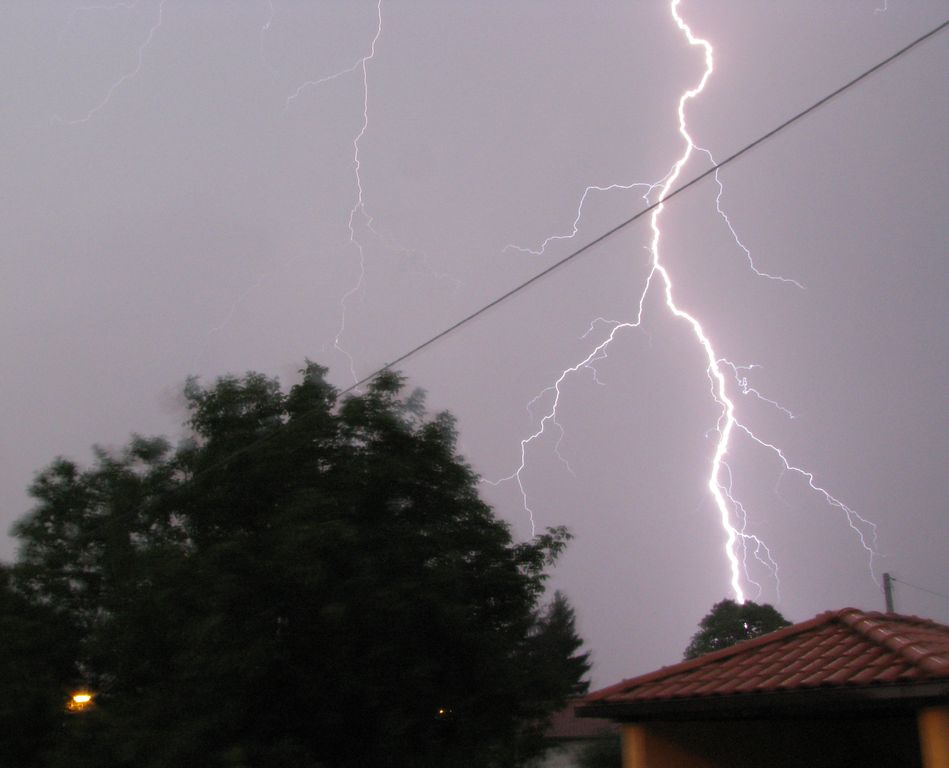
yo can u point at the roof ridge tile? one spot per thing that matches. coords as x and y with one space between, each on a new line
835 649
885 630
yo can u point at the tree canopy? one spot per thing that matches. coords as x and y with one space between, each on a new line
306 581
37 666
729 623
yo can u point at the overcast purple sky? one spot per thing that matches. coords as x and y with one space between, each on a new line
168 209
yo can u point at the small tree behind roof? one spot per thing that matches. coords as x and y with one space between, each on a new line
729 623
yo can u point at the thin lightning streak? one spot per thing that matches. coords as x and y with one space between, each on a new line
228 316
650 187
592 366
325 79
719 482
746 388
731 228
766 559
359 206
550 417
622 225
860 525
560 430
360 63
743 538
539 251
124 78
235 305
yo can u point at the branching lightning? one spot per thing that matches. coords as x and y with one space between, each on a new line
741 379
761 552
734 234
740 543
542 248
728 382
359 217
140 56
359 207
358 211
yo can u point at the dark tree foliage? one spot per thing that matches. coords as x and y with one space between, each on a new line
729 623
305 582
37 666
555 644
604 752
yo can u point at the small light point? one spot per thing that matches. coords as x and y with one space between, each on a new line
79 701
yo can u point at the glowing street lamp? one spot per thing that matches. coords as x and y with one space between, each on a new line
80 701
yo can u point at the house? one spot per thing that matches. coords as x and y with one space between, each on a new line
568 736
847 688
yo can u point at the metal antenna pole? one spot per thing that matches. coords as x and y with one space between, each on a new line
888 592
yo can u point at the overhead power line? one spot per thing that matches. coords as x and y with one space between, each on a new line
649 208
609 233
921 589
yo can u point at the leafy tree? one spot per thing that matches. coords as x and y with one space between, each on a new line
304 582
729 623
554 660
555 644
37 666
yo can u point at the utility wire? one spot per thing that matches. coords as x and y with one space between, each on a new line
609 233
648 209
921 589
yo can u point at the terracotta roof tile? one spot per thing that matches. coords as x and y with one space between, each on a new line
837 649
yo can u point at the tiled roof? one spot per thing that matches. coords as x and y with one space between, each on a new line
839 650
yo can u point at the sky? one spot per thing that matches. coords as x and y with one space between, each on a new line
203 188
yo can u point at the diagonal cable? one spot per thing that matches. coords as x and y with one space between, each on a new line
636 217
609 233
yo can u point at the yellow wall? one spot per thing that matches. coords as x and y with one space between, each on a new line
825 742
934 737
648 747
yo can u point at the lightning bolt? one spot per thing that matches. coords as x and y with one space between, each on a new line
359 216
734 234
760 551
542 248
733 516
359 207
746 389
358 211
132 73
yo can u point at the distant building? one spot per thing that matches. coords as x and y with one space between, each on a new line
569 735
845 689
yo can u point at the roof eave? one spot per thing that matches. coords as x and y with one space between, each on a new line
838 702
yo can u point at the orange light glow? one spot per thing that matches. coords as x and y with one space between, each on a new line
80 700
